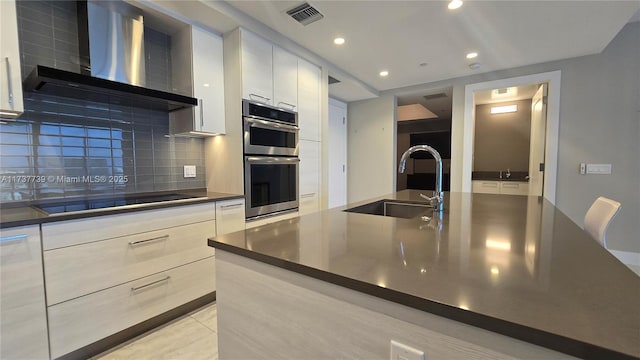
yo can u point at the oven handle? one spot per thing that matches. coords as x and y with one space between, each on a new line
272 160
270 125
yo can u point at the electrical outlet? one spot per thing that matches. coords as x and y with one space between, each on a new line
403 352
598 168
189 171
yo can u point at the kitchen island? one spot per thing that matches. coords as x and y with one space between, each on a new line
493 276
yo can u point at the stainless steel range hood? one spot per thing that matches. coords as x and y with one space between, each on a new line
111 38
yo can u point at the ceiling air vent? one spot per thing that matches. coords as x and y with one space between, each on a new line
333 80
305 14
435 96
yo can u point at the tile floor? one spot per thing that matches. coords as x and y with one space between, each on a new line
191 337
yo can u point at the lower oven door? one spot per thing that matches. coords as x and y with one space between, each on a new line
271 184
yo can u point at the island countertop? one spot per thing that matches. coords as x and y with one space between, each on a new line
514 265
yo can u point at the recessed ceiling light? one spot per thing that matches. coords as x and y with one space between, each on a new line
338 41
384 73
472 55
423 64
454 4
474 65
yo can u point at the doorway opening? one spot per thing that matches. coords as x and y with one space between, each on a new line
424 118
463 131
509 140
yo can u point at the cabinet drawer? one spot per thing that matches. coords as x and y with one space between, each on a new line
23 316
102 264
514 188
486 187
74 232
82 321
230 216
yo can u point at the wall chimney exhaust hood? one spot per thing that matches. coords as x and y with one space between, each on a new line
58 82
111 48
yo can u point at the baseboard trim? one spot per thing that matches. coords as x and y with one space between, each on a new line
125 335
627 257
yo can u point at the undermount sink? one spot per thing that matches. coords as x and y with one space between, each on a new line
393 208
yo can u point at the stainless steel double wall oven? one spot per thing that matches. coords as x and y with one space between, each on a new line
271 164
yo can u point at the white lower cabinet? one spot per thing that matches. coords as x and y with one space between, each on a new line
500 187
309 203
485 187
23 318
108 273
514 188
84 320
230 216
98 265
309 176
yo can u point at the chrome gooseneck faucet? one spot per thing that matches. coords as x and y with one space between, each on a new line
438 196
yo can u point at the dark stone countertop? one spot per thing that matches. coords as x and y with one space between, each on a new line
514 265
24 213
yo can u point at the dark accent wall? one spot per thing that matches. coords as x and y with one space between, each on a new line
501 141
64 147
420 169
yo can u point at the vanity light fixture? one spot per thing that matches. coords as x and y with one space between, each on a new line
472 55
504 109
338 41
384 73
454 4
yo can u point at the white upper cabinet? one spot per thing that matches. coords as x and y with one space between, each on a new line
257 68
198 71
285 79
309 83
11 105
208 81
269 73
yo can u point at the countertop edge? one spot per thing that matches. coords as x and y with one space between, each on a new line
521 332
43 218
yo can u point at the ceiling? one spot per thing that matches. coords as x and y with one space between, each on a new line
398 36
513 93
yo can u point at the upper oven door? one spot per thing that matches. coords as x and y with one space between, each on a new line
269 138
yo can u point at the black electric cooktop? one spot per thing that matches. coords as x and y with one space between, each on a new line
85 205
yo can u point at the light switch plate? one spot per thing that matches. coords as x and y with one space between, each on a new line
189 171
401 351
598 168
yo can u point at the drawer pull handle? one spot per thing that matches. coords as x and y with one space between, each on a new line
307 195
13 238
230 206
142 287
142 242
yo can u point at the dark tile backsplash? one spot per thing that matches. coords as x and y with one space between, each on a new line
64 147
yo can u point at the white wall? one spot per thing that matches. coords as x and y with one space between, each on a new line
599 123
371 147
